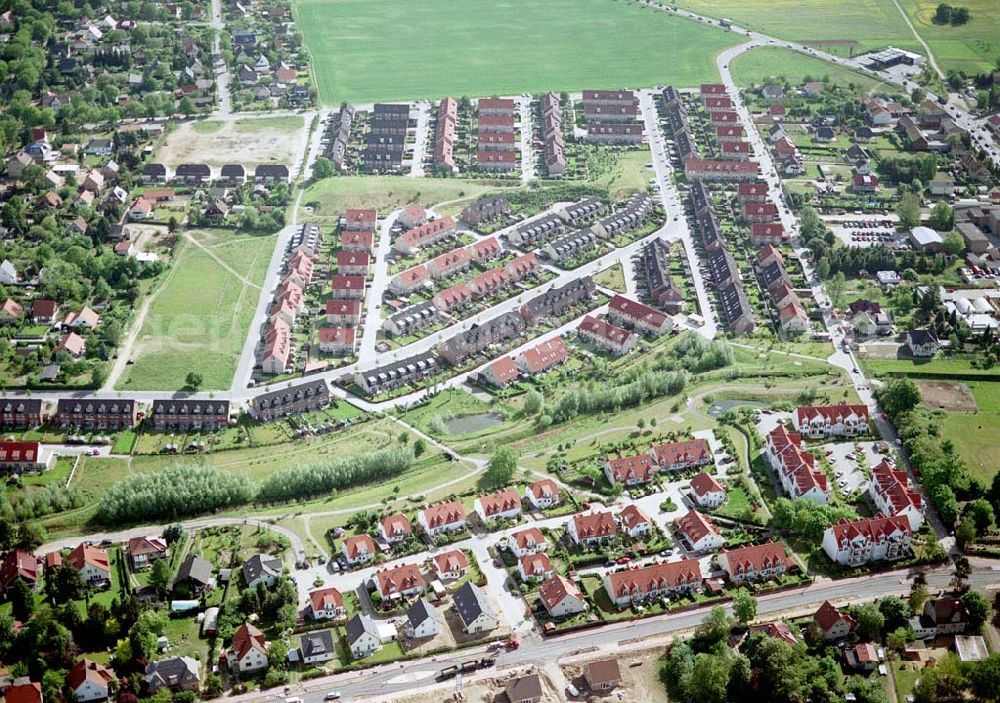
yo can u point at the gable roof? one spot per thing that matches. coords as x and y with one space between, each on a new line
326 599
557 588
705 483
471 602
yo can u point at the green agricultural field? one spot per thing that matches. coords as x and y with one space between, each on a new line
768 63
366 50
974 434
199 317
846 27
972 47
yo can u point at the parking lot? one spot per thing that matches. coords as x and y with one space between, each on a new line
852 462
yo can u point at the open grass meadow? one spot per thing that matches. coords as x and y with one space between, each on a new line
199 316
973 47
974 434
843 27
769 63
367 50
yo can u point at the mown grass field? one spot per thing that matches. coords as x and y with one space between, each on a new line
366 50
767 63
198 319
837 27
974 434
973 47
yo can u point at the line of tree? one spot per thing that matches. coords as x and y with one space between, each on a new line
178 490
326 476
604 397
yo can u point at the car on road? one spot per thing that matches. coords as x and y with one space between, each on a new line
332 696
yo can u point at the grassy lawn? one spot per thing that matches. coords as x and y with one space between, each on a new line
971 48
198 319
766 63
384 193
974 434
621 172
613 278
530 46
905 679
856 25
954 365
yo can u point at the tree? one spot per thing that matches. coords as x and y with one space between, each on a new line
322 168
419 447
835 288
714 628
981 513
744 607
193 379
919 595
533 402
709 679
965 533
64 583
502 466
22 601
173 534
870 622
942 217
899 395
962 569
977 608
159 576
984 678
895 611
211 688
943 14
187 106
908 211
899 638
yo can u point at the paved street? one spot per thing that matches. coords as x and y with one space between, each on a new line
375 291
421 139
528 171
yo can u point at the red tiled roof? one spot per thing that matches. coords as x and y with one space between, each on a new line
628 469
444 513
833 414
247 637
655 577
451 561
326 599
357 545
503 370
536 564
696 526
499 502
689 451
828 616
595 525
556 589
401 578
86 670
87 554
528 538
397 524
705 483
605 330
544 356
755 557
637 311
343 307
632 516
873 528
543 488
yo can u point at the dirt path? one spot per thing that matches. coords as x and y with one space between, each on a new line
128 346
219 261
916 35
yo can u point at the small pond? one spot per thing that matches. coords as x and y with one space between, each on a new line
469 424
721 406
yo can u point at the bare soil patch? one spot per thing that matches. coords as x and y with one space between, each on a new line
248 141
944 395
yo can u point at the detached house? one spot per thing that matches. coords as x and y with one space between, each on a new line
248 652
526 542
395 528
358 549
831 623
175 674
362 636
474 609
143 551
700 533
450 565
90 681
262 568
92 563
708 493
401 581
542 494
562 597
423 620
326 604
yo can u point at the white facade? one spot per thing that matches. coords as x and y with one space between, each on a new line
365 645
90 691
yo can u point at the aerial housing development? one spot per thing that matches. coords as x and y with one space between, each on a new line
564 364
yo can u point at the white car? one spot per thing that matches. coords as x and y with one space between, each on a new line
332 696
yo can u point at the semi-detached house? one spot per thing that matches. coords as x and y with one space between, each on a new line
755 562
654 581
442 517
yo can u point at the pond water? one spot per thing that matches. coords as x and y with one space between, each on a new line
721 406
468 424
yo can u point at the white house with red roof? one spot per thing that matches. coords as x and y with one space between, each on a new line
699 532
543 493
682 455
653 581
18 565
90 681
248 652
630 314
535 567
562 597
395 528
795 466
326 604
527 541
831 623
448 516
358 549
502 505
542 357
860 541
755 562
891 493
588 529
450 565
708 493
501 373
821 421
404 580
635 522
144 550
359 220
604 335
629 470
92 563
